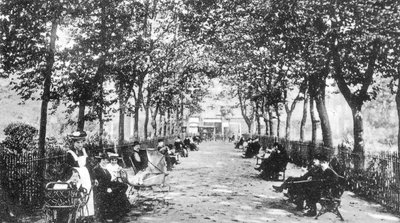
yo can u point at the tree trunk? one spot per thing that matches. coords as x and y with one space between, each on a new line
398 114
146 122
137 109
160 130
154 121
304 118
278 124
81 116
247 119
289 112
265 117
101 129
398 133
358 132
324 118
165 125
121 125
46 89
258 119
272 127
314 122
46 98
177 127
288 124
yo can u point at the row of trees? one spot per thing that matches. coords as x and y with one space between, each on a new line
153 55
278 53
122 57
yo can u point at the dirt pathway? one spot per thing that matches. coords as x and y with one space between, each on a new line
216 185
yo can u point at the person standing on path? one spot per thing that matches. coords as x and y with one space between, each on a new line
77 158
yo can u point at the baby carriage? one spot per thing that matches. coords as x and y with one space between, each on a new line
64 201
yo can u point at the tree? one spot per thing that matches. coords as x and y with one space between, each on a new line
29 34
359 48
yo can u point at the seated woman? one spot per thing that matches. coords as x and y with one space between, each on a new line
138 161
275 163
111 195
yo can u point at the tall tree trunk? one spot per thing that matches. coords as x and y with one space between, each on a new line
304 118
160 130
181 116
46 98
81 116
324 118
177 120
314 122
289 112
288 124
154 121
266 121
258 118
247 118
165 124
46 89
101 128
121 125
358 132
138 103
398 114
278 124
265 117
146 121
272 127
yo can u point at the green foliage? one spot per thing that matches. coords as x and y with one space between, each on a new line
19 137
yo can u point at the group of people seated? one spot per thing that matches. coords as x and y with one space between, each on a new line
110 188
106 183
273 162
321 180
252 148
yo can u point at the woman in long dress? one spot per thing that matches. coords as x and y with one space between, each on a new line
77 158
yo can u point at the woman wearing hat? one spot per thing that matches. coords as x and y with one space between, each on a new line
111 198
137 161
77 158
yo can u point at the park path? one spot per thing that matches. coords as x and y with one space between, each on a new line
215 184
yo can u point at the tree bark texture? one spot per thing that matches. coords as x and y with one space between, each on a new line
304 118
314 122
81 116
324 118
398 113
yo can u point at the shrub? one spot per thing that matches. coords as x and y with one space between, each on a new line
19 137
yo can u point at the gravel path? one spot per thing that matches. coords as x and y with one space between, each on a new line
216 185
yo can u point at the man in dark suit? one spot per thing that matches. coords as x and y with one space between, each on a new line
323 187
275 163
296 191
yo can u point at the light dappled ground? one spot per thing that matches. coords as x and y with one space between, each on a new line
216 185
